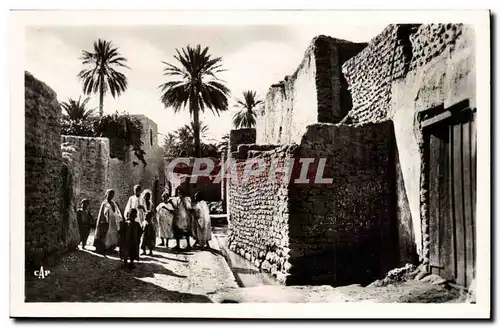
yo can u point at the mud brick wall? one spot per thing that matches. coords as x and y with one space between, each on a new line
399 49
90 166
43 173
343 232
315 92
241 136
95 170
259 215
154 170
404 70
443 73
124 174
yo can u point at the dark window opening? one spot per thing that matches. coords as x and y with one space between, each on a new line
151 137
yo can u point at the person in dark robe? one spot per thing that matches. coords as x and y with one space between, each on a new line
85 221
130 235
149 234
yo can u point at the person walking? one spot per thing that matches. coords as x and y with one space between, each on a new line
182 217
201 220
165 218
108 221
85 220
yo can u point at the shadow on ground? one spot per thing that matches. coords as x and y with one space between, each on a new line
84 276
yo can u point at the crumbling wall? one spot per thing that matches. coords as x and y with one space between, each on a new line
371 72
259 214
343 231
404 70
315 92
48 220
320 232
444 78
90 166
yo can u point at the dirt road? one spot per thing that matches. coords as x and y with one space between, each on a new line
167 276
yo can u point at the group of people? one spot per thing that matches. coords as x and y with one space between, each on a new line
175 218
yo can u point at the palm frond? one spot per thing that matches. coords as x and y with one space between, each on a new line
100 72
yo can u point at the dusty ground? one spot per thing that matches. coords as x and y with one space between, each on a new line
200 277
407 292
167 276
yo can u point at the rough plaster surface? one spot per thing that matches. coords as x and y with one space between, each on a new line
340 232
310 233
48 218
90 166
372 211
402 71
315 92
445 80
96 171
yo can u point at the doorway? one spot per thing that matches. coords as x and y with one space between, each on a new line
450 146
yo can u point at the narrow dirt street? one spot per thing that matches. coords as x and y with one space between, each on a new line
203 276
167 276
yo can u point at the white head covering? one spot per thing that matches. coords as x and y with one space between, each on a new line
142 200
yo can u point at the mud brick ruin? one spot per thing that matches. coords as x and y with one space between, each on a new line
366 109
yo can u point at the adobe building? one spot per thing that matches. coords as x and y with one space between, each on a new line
54 185
394 120
97 167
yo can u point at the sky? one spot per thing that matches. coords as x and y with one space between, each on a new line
254 56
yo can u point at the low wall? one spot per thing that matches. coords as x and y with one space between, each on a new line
259 216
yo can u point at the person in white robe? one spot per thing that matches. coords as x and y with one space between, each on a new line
134 201
182 217
201 220
165 218
108 223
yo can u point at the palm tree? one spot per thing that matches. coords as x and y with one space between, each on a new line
76 109
195 83
246 117
101 75
223 145
203 129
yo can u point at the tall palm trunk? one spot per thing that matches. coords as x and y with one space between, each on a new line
196 119
101 96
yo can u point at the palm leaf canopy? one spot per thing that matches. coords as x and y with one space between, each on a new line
101 70
193 81
76 109
246 117
223 144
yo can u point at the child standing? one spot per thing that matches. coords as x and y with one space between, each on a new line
85 221
149 234
130 234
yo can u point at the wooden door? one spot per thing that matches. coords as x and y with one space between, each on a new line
451 154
